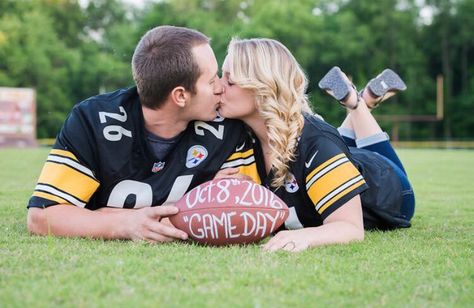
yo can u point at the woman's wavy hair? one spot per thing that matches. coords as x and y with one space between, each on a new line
268 69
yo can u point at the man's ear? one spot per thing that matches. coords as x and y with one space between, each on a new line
179 96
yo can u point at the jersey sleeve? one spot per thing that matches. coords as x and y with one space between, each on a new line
331 179
243 158
66 177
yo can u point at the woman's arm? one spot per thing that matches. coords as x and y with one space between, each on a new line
344 225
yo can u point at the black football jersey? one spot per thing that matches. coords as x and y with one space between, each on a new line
325 175
322 178
102 158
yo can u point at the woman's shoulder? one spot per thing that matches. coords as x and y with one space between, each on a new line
316 130
315 124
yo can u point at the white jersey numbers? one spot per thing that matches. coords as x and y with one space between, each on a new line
142 191
199 127
114 132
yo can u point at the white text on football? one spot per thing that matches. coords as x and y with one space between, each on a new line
253 195
208 225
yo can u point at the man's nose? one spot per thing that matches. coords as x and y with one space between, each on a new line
219 87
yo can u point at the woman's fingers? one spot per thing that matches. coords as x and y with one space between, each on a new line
227 173
232 173
285 240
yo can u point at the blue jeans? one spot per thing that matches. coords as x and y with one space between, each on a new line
380 144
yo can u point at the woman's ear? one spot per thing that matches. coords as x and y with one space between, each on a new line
179 96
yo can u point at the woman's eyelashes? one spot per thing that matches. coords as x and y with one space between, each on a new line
228 81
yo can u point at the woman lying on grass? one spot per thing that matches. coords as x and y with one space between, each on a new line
335 186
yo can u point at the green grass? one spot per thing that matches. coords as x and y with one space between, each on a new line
430 264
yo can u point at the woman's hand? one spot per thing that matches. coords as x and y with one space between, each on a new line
232 173
290 240
344 225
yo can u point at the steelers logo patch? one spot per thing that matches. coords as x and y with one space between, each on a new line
196 155
291 185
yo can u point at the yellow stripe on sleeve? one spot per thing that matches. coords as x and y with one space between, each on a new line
241 155
323 165
63 153
68 180
331 180
340 195
51 197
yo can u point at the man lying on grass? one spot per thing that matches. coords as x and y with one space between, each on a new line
121 154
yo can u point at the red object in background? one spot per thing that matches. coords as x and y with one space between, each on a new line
17 117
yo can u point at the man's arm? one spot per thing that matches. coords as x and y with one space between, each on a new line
134 224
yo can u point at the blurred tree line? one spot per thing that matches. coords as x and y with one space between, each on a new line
69 49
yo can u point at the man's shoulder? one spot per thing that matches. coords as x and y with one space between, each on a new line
220 128
102 124
121 107
108 101
219 120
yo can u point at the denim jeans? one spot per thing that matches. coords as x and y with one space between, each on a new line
380 144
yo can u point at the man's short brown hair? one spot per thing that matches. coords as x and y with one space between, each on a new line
163 60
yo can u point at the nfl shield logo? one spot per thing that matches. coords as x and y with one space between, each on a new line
291 185
196 155
157 166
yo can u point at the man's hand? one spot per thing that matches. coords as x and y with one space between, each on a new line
151 224
232 173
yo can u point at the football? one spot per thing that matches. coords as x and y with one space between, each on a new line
229 211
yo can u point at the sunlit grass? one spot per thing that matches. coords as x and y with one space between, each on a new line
430 264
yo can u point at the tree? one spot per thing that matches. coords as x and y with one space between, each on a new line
48 45
450 48
34 56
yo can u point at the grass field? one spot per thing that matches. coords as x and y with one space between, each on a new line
428 265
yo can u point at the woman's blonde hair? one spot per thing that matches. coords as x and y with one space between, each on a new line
269 70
